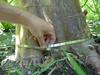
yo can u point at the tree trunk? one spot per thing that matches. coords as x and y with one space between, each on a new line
69 23
66 16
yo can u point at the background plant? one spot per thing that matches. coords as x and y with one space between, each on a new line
93 16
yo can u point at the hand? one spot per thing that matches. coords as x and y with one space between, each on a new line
43 31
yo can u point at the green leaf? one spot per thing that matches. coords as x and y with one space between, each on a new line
75 65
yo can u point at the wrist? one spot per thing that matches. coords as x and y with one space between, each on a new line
24 18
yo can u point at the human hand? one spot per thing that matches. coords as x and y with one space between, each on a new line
42 31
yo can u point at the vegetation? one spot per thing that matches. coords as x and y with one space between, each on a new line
93 16
72 61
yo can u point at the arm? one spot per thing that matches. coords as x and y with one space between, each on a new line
43 31
13 14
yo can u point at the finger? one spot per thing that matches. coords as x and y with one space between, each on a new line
52 38
41 41
47 38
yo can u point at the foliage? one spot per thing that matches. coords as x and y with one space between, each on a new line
69 64
46 67
7 37
7 41
92 6
93 16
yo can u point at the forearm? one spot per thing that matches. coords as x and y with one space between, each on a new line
13 14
